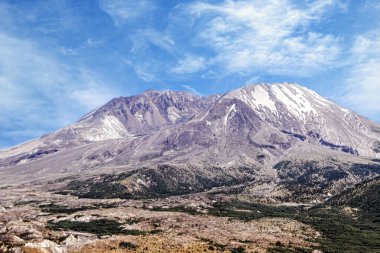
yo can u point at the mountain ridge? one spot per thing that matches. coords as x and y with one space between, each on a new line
256 125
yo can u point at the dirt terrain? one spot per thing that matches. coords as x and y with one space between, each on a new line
33 220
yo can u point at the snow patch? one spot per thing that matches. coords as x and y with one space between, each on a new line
261 98
172 114
231 110
296 103
315 96
258 98
110 128
139 116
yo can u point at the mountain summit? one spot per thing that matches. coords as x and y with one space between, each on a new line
256 125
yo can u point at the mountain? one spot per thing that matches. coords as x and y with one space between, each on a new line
258 127
131 116
274 168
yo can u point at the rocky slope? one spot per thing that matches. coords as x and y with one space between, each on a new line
172 172
257 126
365 196
312 180
135 115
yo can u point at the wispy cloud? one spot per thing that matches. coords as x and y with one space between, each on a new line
122 11
92 92
67 51
142 39
192 90
362 87
39 92
144 73
90 42
189 64
271 36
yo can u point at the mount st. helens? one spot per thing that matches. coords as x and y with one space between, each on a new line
264 168
284 134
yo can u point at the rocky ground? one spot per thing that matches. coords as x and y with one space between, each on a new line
172 172
35 220
253 217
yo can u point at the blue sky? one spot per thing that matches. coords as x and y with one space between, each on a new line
59 59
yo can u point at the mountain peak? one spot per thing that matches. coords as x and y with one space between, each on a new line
269 118
171 93
281 99
264 84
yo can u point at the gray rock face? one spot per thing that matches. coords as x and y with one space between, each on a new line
257 125
135 115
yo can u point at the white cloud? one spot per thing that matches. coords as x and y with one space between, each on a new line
159 39
92 93
91 97
142 38
189 64
143 72
362 87
38 92
122 11
90 42
252 80
146 67
67 51
192 90
271 36
372 4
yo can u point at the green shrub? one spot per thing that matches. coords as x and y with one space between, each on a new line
238 250
127 245
98 227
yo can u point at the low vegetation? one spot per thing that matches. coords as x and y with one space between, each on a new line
238 250
127 245
365 196
340 233
310 180
99 227
280 248
54 209
161 181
